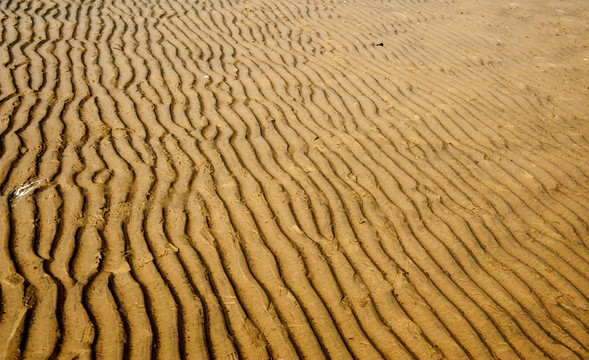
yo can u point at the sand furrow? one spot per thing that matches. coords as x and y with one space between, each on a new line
124 287
338 179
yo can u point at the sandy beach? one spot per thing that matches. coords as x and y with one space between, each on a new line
281 179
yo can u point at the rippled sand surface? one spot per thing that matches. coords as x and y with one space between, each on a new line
255 179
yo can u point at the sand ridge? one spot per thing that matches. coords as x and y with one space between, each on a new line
261 179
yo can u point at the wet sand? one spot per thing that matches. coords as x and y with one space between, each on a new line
248 179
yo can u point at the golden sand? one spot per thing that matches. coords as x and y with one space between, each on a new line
255 179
